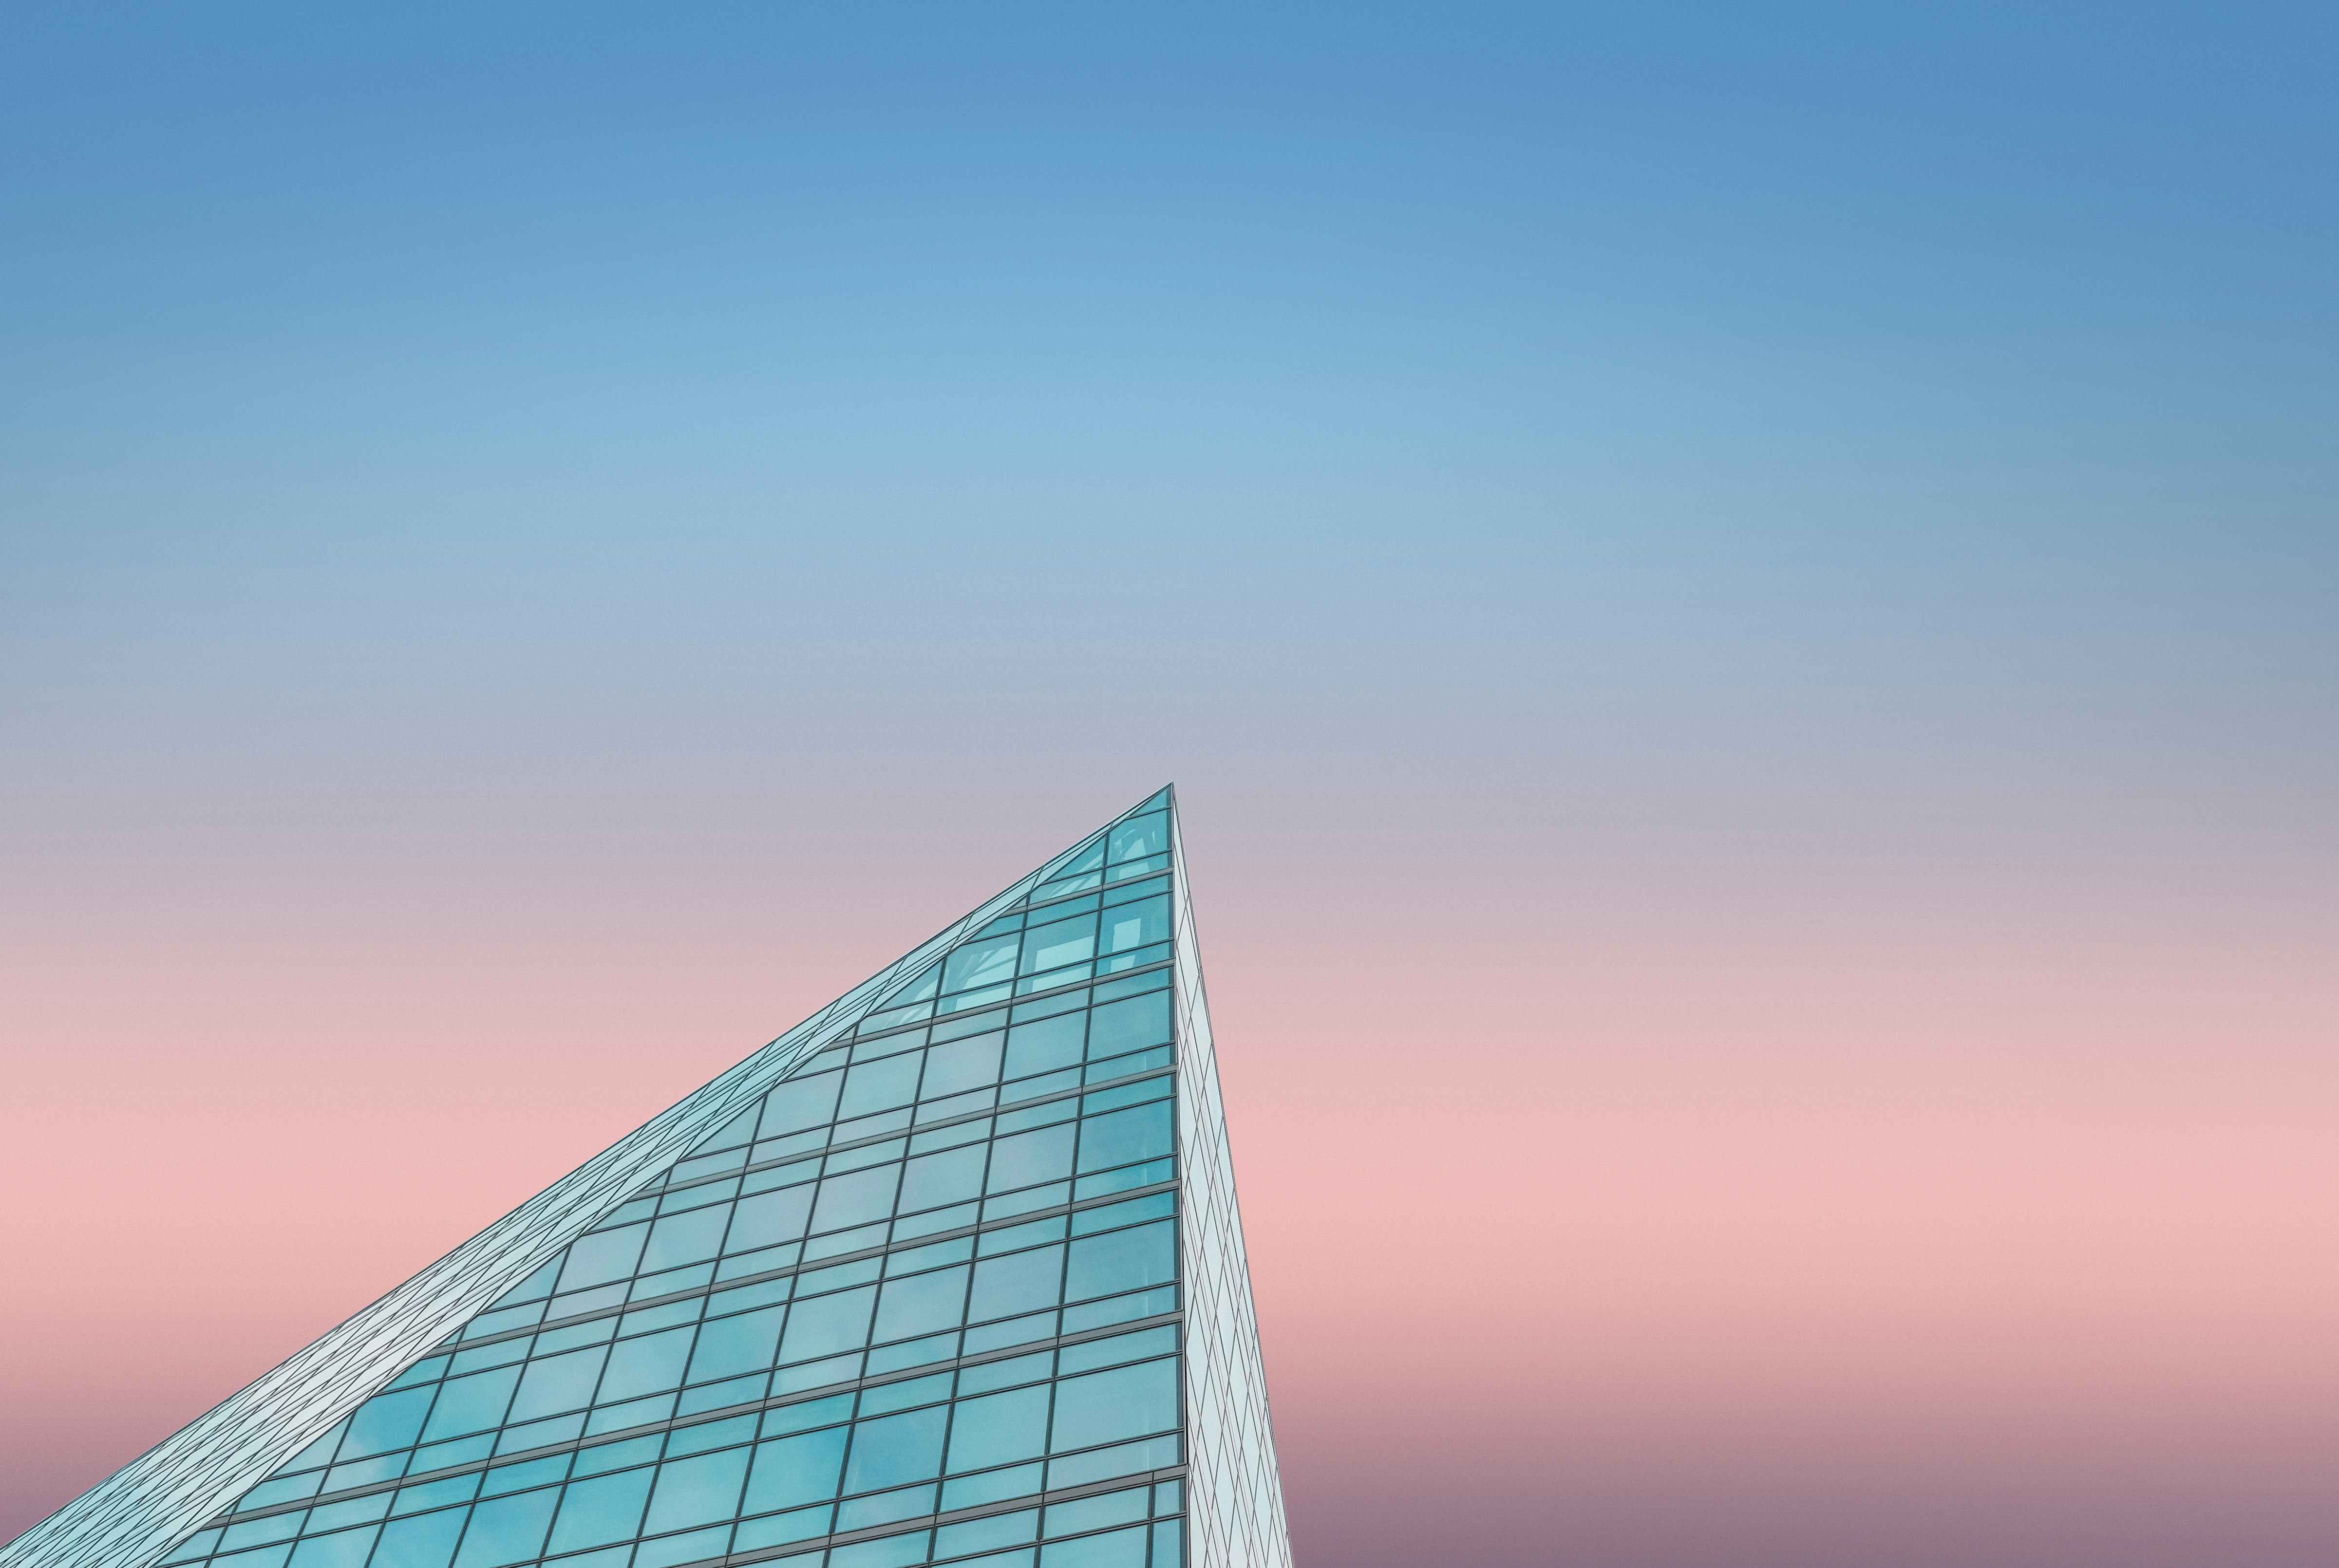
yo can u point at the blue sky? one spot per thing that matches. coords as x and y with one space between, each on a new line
1861 465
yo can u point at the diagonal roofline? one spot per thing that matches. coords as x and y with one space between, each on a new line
139 1513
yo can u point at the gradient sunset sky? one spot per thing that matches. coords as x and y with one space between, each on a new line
1744 602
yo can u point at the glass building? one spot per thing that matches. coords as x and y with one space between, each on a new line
950 1273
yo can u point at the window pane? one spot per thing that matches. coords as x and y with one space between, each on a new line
805 1103
425 1541
681 1239
558 1383
698 1491
772 1217
1108 1406
961 1065
895 1450
876 1086
595 1513
1059 942
1140 836
1131 1024
952 1175
607 1255
472 1403
1022 1282
794 1471
980 964
341 1549
731 1345
999 1429
650 1365
1122 1260
1140 1132
922 1304
1027 1158
387 1422
828 1324
857 1199
508 1530
1041 1046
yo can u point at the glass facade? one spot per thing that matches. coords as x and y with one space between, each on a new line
950 1274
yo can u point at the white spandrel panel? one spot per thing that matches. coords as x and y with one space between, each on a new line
1236 1517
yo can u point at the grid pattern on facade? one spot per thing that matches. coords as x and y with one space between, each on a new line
909 1293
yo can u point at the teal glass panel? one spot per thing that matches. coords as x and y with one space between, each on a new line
977 964
291 1489
387 1422
991 1486
1139 837
258 1557
1046 1045
1045 1155
922 1304
473 1403
1059 942
895 1450
436 1493
1015 1529
1108 1406
1019 1283
607 1456
885 1508
1086 1513
962 1065
1129 1024
1124 1136
600 1510
876 1085
999 1429
889 1552
802 1104
680 1239
1117 1549
603 1256
1108 1464
422 1541
989 1376
1128 1178
509 1530
362 1510
828 1324
557 1384
260 1532
698 1491
652 1364
856 1198
729 1346
912 1352
810 1413
770 1218
790 1471
1089 1355
783 1529
1122 1260
696 1546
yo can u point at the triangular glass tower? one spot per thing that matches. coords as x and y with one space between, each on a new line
950 1273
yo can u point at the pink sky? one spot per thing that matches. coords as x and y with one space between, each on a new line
1587 1227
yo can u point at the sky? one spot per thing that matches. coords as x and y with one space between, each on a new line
1744 603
